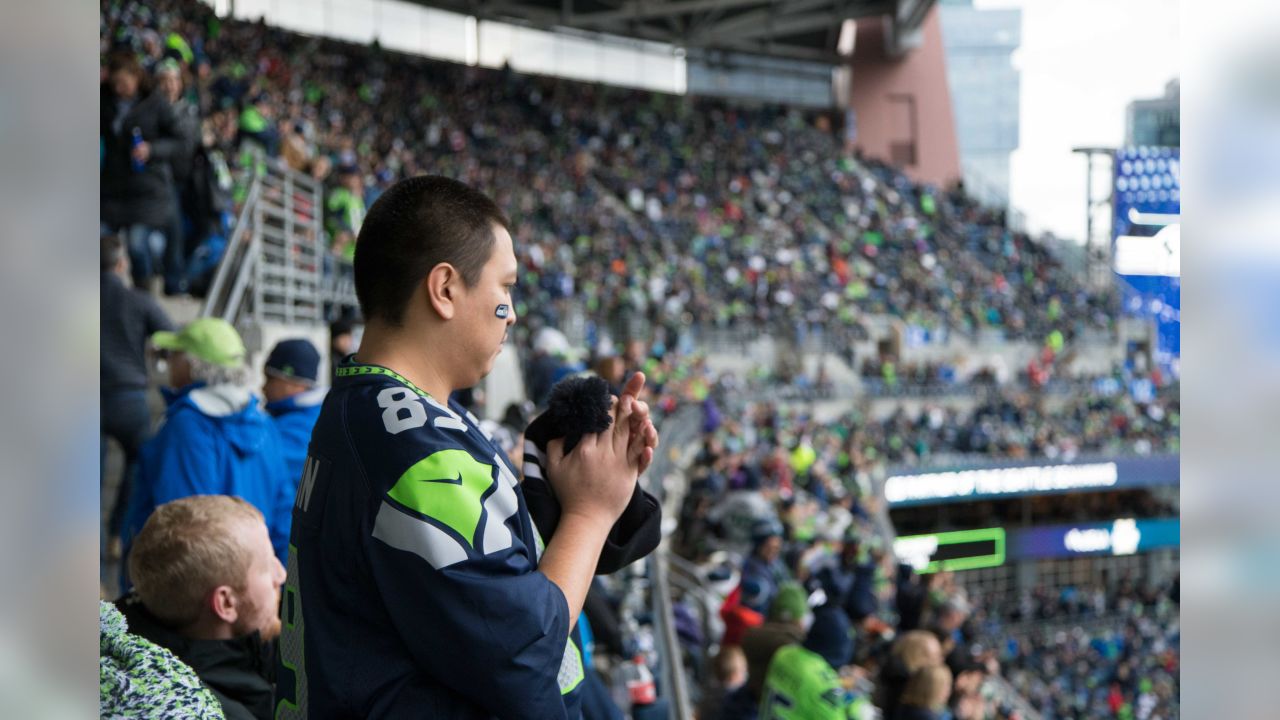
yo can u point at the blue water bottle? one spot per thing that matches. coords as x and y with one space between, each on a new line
138 165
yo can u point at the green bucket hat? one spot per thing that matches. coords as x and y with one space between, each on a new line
213 340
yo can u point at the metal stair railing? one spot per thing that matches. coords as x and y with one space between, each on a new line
680 427
227 289
276 267
289 264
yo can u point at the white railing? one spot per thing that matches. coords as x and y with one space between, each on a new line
682 425
227 289
276 267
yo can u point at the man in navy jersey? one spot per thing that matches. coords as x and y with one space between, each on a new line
417 584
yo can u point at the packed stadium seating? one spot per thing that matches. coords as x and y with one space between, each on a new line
634 203
658 219
1091 654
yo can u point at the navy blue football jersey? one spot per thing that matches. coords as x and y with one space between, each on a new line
413 589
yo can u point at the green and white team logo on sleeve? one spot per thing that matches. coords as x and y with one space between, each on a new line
449 486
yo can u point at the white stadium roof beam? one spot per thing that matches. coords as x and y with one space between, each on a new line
796 29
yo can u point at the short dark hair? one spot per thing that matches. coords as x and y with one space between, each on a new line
415 225
112 252
127 61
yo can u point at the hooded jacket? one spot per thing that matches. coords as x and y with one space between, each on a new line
295 418
215 440
236 670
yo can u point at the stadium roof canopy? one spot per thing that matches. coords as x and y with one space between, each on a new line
797 29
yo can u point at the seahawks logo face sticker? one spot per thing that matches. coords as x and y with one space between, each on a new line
503 311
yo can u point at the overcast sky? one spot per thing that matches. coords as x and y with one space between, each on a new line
1082 61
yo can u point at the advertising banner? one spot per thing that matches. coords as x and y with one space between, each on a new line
960 550
1124 536
1020 479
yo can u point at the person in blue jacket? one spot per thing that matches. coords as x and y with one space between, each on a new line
215 440
293 398
417 585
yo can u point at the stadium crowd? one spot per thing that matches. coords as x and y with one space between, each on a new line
632 208
701 213
1090 652
760 491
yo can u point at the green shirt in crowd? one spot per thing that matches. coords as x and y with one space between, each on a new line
800 685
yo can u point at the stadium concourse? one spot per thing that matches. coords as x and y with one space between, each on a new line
648 229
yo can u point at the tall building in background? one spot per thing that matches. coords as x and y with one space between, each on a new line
1155 122
901 103
984 93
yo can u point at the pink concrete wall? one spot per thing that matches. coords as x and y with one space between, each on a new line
882 121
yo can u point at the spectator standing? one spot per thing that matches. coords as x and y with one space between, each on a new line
152 51
413 556
293 398
215 439
909 597
831 636
128 317
139 139
344 211
187 127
